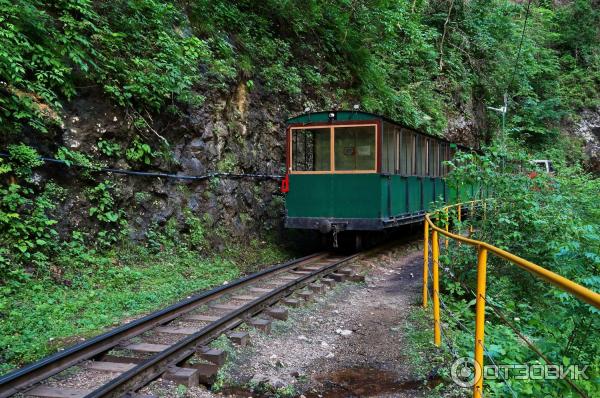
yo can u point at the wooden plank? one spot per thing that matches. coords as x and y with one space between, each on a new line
112 367
242 297
301 272
54 392
177 330
202 318
260 290
311 268
147 347
227 307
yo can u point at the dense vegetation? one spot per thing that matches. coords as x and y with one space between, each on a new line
421 62
552 221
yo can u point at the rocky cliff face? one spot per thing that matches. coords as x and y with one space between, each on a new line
239 131
588 128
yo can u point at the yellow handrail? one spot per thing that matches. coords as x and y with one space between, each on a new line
561 282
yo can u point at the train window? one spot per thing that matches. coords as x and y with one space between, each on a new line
443 158
420 156
389 148
407 152
355 148
433 158
311 149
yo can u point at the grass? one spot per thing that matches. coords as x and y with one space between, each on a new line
425 359
41 315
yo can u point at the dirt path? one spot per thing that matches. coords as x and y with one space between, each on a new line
349 342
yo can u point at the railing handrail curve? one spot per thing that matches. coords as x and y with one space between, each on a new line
574 288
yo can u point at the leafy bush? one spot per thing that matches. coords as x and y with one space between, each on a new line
552 221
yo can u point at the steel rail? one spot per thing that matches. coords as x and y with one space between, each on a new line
31 374
128 382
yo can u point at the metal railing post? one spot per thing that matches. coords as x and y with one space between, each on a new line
480 321
425 263
471 218
447 225
436 288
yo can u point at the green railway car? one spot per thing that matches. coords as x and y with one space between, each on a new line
357 171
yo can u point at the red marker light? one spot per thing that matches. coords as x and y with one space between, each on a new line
285 184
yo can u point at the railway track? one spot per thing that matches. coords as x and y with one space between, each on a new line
172 343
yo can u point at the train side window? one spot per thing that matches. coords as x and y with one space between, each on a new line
311 149
443 158
355 148
421 156
388 151
433 158
406 152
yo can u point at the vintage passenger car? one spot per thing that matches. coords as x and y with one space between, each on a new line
357 171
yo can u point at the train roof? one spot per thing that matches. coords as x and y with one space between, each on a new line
323 117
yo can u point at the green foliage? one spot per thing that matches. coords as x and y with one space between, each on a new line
28 234
553 221
41 315
139 152
77 159
107 212
110 148
23 159
141 52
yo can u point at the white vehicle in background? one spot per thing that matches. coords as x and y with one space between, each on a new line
543 165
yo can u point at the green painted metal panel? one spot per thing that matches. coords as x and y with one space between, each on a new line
320 117
334 195
427 192
363 195
399 187
356 195
414 194
439 189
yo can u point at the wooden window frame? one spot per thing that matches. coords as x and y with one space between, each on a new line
332 127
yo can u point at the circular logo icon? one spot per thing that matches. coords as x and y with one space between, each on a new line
465 372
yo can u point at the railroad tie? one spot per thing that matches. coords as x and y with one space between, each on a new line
146 347
201 318
305 295
263 325
214 355
277 313
311 268
243 297
288 277
260 290
109 367
338 277
300 272
189 377
317 288
226 307
120 359
239 338
328 281
176 330
291 302
207 372
54 392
